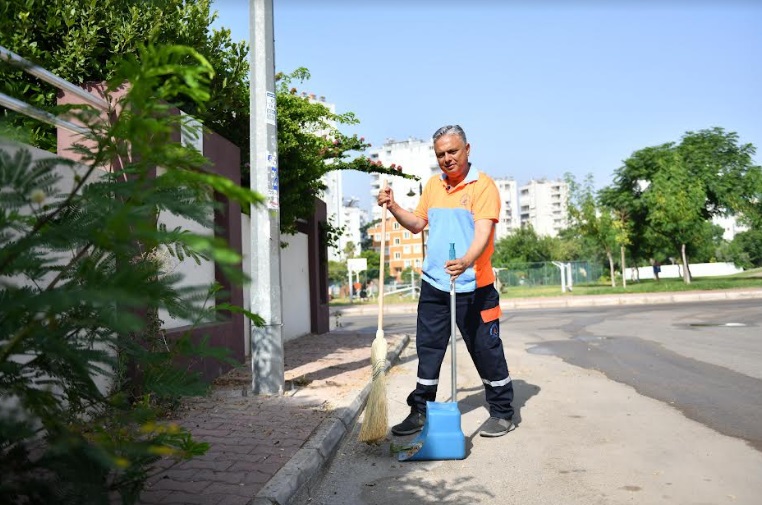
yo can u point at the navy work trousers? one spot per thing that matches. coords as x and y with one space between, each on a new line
477 318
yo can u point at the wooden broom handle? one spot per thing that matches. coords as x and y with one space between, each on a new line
384 185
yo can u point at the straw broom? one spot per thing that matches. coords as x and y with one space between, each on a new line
375 424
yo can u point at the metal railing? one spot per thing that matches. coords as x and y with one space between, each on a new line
46 117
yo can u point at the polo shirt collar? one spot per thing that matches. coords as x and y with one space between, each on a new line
472 176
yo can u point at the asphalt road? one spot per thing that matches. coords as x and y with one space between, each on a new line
704 359
649 404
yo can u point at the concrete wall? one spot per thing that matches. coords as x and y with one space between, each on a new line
697 270
224 160
64 186
193 274
294 284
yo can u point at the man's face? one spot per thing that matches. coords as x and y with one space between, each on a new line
452 156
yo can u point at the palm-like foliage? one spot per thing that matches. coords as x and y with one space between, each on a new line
82 356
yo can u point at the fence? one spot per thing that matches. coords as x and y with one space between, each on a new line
548 274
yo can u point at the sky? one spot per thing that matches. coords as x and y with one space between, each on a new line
542 88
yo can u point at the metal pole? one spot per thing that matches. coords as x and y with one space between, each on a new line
267 364
423 232
453 343
562 269
453 307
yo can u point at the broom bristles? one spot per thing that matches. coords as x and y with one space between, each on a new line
378 352
375 424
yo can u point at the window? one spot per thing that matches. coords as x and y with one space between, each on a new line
396 241
417 248
397 255
407 263
418 263
396 226
377 237
406 234
406 249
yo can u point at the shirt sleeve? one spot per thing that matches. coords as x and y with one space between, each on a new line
422 210
487 203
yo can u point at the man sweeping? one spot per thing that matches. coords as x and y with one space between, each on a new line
461 205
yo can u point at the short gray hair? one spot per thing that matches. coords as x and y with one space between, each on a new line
450 129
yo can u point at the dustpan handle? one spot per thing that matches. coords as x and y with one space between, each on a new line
452 330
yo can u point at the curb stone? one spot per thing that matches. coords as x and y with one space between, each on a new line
564 301
320 448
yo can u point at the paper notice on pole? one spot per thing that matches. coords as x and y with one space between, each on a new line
357 264
271 108
273 199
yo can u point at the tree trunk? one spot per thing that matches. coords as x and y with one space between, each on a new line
611 268
686 272
624 268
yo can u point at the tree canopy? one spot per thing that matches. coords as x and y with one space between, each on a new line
670 193
310 145
82 41
523 246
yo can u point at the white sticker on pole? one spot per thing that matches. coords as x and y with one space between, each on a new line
271 108
272 182
357 264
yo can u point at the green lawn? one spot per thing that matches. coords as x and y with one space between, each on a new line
644 286
747 279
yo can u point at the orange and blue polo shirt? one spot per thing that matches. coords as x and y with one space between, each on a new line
451 215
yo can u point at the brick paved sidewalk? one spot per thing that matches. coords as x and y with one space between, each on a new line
252 437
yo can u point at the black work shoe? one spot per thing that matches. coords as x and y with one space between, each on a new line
496 427
412 424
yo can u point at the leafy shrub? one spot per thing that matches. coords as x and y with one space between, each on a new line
83 361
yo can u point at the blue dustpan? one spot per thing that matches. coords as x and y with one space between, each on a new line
442 436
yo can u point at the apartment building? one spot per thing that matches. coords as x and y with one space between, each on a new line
341 212
416 157
730 226
403 248
509 219
332 196
353 218
543 205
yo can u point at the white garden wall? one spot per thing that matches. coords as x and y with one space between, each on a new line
294 284
697 270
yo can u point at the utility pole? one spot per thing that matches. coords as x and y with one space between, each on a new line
267 364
